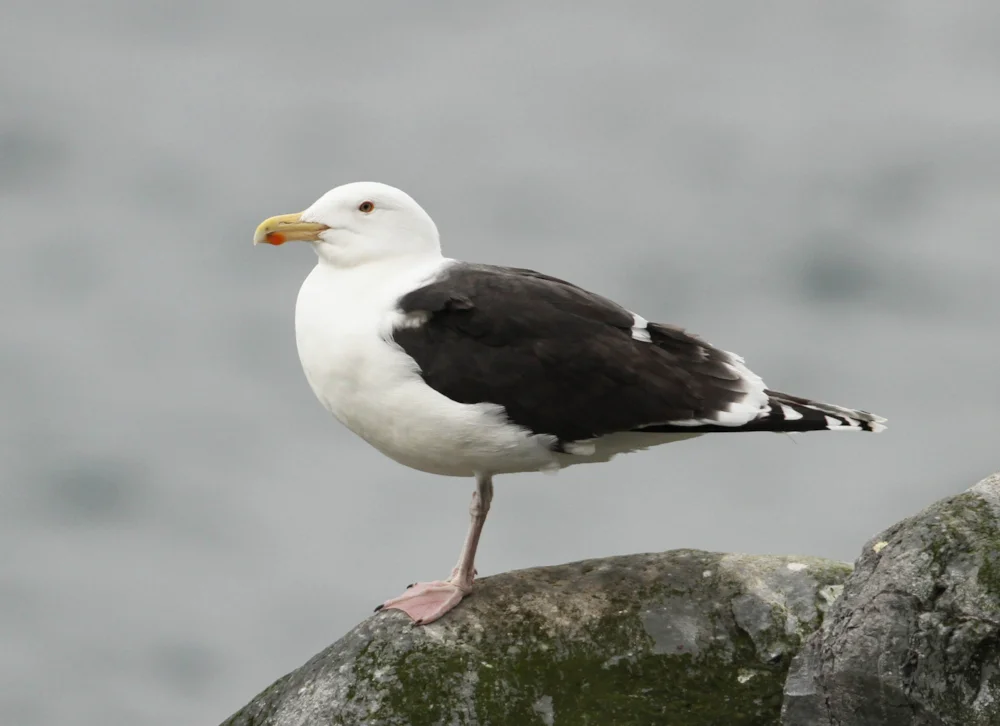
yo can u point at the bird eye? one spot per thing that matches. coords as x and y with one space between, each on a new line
366 207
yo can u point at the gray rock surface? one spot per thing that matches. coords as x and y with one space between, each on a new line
686 638
913 640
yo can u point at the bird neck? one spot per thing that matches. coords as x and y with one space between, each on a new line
391 271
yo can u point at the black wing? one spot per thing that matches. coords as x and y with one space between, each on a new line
559 359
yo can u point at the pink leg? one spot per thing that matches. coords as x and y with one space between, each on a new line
425 602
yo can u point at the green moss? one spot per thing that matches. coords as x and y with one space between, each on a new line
964 529
989 575
687 639
986 535
261 709
578 682
966 525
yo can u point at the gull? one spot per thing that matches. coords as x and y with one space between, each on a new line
471 370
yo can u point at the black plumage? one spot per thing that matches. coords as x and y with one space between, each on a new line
564 361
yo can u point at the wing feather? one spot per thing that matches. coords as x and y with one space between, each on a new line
562 360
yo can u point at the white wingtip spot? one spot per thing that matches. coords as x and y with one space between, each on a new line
833 423
790 413
639 331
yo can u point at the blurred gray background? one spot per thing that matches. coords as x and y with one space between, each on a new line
814 185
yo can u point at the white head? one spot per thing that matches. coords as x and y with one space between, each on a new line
358 223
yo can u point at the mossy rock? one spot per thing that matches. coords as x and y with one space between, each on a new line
915 638
685 638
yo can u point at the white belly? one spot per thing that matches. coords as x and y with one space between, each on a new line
371 386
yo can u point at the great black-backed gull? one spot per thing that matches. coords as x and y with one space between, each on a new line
474 370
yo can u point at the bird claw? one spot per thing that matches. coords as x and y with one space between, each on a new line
425 602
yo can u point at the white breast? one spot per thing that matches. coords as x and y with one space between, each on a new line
343 324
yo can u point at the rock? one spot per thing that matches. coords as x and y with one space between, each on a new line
913 640
686 638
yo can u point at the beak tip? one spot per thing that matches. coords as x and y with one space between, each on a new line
283 228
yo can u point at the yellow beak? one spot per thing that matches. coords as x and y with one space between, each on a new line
286 227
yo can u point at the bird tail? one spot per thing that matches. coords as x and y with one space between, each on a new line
783 414
791 413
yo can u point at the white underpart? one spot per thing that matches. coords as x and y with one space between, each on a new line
639 331
607 447
344 319
754 403
343 324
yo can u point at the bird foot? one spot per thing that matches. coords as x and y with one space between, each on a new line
425 602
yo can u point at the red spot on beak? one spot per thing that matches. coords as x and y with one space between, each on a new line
275 238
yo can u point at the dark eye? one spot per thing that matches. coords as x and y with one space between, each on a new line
366 207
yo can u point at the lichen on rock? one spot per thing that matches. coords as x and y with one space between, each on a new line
687 638
915 637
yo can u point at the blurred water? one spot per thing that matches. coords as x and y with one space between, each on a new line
811 184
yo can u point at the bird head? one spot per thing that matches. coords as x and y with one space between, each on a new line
356 224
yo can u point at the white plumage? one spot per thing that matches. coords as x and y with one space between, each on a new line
465 370
343 327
